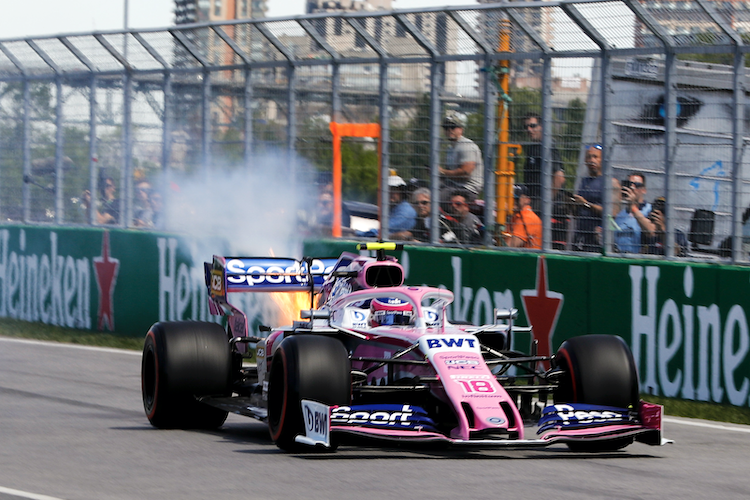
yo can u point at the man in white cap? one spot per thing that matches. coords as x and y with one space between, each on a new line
402 216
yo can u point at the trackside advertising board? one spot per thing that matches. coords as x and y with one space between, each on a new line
686 323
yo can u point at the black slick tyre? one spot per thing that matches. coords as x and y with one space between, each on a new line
182 360
599 370
309 367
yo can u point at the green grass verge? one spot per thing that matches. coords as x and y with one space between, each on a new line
39 331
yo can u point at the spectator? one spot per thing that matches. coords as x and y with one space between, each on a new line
157 210
402 216
467 226
143 214
656 242
532 168
589 203
109 205
84 205
562 211
525 228
325 209
633 219
421 199
464 168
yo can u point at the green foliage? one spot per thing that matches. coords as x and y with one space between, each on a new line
359 167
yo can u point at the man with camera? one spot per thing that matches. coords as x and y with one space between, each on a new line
656 243
633 220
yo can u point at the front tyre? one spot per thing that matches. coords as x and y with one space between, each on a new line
182 360
599 370
309 367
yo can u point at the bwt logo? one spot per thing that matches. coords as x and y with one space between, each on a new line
450 343
316 421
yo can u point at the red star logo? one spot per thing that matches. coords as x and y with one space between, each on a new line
542 309
106 278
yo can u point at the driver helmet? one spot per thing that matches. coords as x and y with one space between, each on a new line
388 311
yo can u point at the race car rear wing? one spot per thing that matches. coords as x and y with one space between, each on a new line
264 274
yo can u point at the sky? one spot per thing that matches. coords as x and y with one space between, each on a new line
35 18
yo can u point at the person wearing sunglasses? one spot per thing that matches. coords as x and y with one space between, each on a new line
421 200
633 219
464 167
532 167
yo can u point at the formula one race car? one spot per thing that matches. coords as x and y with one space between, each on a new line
380 359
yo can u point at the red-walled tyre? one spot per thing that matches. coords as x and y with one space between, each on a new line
599 370
309 367
182 360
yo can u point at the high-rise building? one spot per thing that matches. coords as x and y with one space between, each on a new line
198 11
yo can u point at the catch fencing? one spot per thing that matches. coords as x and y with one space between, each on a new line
660 85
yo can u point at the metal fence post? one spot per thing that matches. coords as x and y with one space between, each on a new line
93 159
436 75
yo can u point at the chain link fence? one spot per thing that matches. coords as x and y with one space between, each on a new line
94 128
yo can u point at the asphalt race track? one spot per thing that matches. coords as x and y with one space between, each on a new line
72 427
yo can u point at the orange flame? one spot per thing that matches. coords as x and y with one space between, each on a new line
290 304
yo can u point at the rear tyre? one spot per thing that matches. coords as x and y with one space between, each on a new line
182 360
599 370
309 367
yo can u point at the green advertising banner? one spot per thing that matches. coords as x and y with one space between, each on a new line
104 280
686 322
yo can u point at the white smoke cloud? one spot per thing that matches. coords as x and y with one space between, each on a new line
242 212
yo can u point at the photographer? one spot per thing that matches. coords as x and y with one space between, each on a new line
656 243
633 219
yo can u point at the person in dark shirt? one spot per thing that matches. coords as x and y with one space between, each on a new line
562 211
532 168
589 203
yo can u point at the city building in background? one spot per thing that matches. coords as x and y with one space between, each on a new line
199 11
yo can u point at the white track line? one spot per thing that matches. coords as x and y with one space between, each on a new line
702 423
71 346
26 494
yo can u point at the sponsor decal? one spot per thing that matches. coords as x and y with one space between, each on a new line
576 416
51 287
431 318
496 420
383 416
317 428
433 344
272 273
358 319
461 362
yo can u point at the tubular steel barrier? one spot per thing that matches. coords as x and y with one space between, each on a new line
101 128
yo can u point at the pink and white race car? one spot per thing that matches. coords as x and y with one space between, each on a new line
380 359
